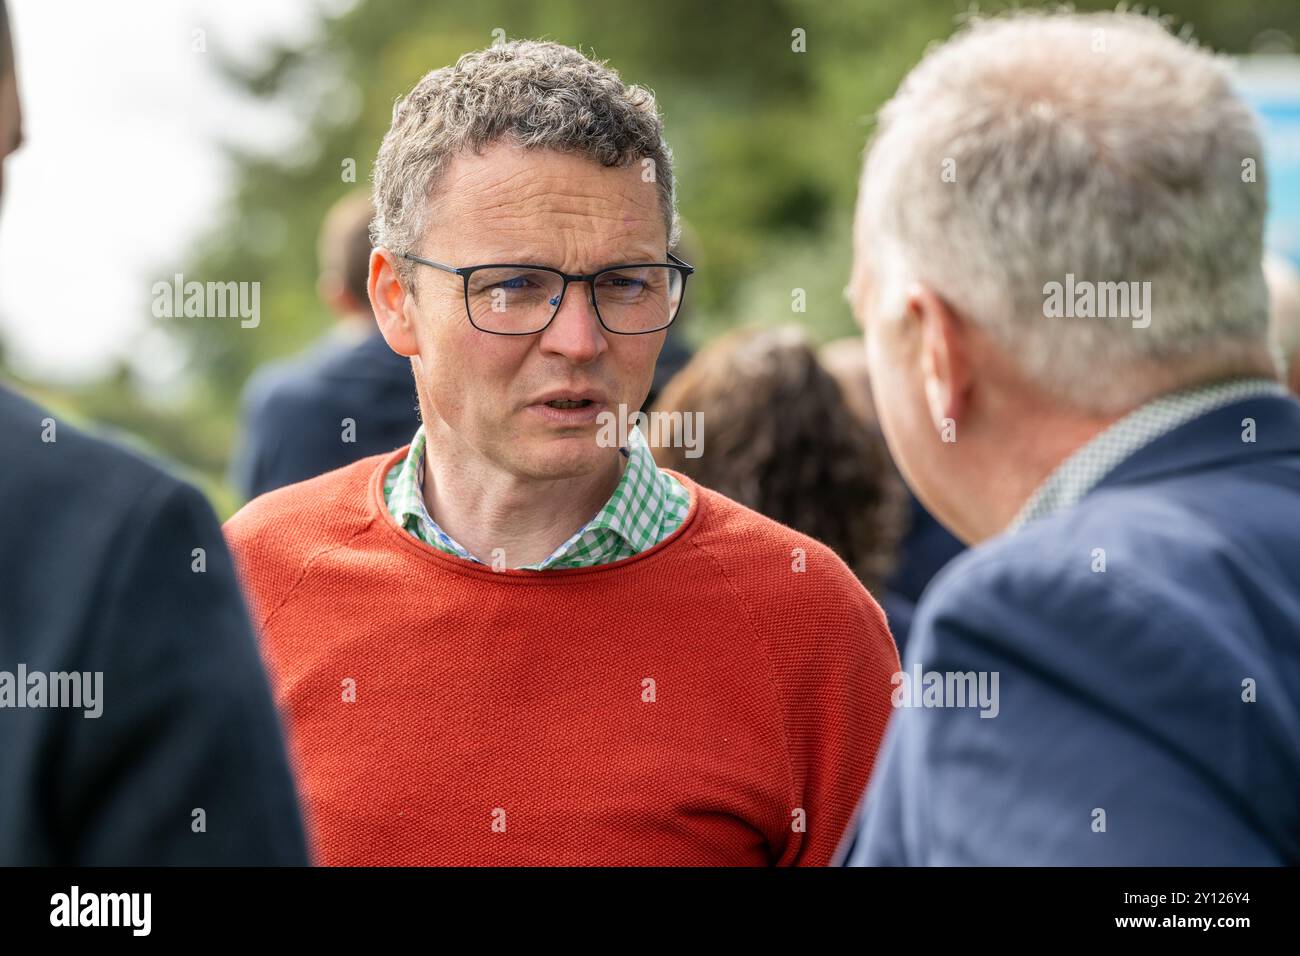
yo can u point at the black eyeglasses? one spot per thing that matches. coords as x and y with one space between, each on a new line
514 299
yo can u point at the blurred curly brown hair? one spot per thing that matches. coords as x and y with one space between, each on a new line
780 438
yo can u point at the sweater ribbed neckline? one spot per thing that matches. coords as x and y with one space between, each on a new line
379 515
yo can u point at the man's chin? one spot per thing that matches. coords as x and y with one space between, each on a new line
560 457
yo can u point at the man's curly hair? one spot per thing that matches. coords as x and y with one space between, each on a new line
537 94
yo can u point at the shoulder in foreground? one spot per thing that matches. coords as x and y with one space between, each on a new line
1115 570
49 458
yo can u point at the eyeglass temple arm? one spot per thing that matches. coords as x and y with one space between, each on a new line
429 262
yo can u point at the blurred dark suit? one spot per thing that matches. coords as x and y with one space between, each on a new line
924 551
98 573
293 412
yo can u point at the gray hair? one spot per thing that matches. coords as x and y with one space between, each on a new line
541 95
1039 145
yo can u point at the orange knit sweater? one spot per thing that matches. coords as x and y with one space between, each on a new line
702 702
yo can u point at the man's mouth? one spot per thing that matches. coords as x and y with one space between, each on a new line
579 408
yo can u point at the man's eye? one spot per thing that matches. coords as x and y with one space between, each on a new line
517 282
623 282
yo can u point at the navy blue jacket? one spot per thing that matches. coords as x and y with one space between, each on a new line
293 413
98 573
925 549
1125 732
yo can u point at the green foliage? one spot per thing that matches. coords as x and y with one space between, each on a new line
768 143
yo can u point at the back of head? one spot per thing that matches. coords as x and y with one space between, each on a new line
783 441
343 253
1041 148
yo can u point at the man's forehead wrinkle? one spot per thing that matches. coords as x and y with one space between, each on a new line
495 175
508 204
553 211
506 171
513 224
567 193
572 244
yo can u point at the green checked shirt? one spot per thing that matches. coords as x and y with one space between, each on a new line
647 506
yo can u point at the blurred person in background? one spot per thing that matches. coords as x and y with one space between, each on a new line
136 726
518 641
926 545
781 439
1128 474
1284 318
348 397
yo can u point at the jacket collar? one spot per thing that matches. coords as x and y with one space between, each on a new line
1248 430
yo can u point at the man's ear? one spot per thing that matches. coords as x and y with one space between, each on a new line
945 355
393 305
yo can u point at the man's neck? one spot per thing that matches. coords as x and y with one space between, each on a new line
1021 460
500 517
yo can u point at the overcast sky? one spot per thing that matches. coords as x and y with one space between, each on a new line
119 169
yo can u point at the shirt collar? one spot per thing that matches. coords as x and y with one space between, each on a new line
1070 481
633 510
631 521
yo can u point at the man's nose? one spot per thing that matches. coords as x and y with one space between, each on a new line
575 332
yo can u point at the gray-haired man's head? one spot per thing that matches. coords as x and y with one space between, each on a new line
1078 202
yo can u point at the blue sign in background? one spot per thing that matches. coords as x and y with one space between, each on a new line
1272 86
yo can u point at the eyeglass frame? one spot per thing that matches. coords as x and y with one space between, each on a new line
682 267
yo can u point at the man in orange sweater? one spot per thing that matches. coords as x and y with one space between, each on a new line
517 641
